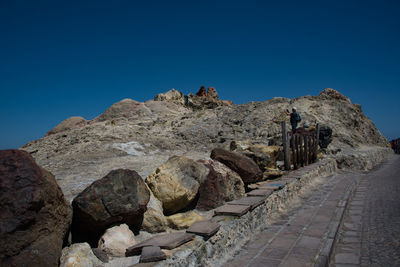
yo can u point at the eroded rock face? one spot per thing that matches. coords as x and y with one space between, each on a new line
69 124
119 197
222 185
34 216
79 254
116 240
244 166
176 182
154 219
126 108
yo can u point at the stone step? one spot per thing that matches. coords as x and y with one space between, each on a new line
164 241
253 202
232 210
151 254
204 228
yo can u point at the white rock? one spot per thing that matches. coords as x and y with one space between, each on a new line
79 254
116 240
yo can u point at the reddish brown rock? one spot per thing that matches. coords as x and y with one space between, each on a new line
212 93
244 166
34 215
119 197
202 91
221 185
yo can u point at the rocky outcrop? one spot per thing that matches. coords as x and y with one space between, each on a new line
34 214
212 93
154 219
79 156
69 124
176 182
202 92
222 185
171 95
244 166
116 240
330 93
79 254
119 197
183 220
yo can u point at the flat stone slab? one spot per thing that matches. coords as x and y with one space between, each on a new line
204 228
151 254
260 193
269 187
232 210
165 241
253 202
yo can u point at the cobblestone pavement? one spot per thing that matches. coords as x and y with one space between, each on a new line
370 230
299 233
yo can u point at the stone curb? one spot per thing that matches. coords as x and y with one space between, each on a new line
324 256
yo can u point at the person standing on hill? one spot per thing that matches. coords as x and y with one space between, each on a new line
294 118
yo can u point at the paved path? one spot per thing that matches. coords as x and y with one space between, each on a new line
300 234
370 231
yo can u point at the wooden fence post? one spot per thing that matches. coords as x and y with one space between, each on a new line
306 150
294 148
301 150
285 146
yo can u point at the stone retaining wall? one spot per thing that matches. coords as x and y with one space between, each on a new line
236 231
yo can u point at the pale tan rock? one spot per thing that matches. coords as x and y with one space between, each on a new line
184 220
270 173
154 219
116 240
171 95
176 182
79 254
271 151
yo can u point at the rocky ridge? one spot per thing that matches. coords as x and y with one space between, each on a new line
142 136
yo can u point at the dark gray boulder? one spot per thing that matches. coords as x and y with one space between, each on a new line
325 136
119 197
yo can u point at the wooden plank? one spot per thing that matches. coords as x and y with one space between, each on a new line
285 145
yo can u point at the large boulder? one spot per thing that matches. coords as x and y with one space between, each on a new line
116 240
222 185
68 124
176 182
34 215
244 166
79 254
325 136
212 93
263 155
154 220
119 197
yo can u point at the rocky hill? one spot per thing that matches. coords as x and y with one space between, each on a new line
142 136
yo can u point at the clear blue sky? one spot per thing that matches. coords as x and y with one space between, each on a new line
67 58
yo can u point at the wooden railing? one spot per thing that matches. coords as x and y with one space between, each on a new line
300 148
